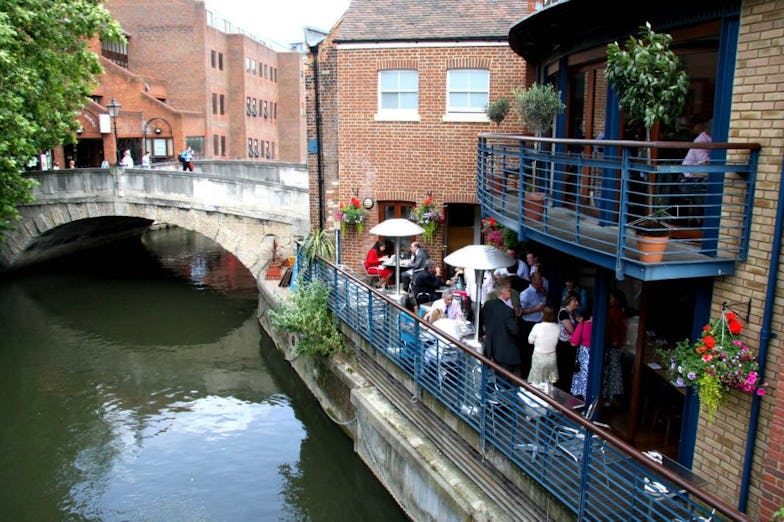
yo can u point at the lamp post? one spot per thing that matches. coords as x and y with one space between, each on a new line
114 112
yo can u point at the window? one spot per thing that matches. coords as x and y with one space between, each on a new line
250 147
253 107
398 97
215 103
248 106
220 61
214 58
196 143
222 104
399 210
223 145
467 94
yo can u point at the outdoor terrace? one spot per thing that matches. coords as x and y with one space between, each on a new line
598 194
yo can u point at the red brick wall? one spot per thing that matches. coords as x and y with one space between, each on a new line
405 160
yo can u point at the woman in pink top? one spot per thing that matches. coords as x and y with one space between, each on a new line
581 337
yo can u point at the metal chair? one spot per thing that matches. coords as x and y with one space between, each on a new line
571 441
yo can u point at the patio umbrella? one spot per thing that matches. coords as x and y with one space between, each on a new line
479 258
397 228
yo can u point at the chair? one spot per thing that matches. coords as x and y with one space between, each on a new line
571 441
371 278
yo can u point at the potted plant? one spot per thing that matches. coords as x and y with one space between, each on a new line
498 110
427 217
537 106
653 233
351 214
648 78
716 363
273 268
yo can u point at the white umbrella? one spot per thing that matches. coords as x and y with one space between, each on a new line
397 228
479 258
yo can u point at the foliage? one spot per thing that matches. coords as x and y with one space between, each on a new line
46 74
498 110
427 217
351 214
717 362
538 106
498 235
648 78
307 315
318 243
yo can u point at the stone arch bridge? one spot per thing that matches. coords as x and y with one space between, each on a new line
242 207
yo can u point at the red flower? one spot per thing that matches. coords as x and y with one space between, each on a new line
734 325
491 221
706 328
355 202
709 341
730 316
429 200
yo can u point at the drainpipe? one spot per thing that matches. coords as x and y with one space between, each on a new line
319 154
765 336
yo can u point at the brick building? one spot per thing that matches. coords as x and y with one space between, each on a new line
187 78
440 64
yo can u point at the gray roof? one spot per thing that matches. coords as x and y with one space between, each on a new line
398 20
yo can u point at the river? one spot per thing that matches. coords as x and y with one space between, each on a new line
137 385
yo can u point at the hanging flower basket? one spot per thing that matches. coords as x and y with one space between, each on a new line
717 363
351 214
427 217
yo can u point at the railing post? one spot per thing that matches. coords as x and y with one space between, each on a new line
623 202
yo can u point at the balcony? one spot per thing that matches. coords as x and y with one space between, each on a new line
597 194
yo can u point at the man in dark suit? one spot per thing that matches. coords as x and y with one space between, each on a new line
501 330
426 282
418 258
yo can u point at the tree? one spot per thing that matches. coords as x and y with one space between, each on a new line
648 78
46 74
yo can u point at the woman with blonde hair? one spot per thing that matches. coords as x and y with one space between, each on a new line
544 336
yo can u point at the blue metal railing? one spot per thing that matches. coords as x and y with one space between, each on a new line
593 473
597 194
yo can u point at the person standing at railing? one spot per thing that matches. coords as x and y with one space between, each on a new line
581 338
615 332
693 182
532 301
501 331
544 338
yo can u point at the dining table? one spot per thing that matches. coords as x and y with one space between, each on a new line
537 410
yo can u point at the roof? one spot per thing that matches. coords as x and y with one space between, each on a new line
406 20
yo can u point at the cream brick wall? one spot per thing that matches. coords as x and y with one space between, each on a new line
757 116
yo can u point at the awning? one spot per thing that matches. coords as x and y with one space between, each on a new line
566 26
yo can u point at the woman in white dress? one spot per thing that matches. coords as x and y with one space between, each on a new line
544 337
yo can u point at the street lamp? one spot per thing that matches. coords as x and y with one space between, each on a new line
114 111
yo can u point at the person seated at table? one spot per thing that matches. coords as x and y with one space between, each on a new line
440 321
375 256
449 305
544 337
418 258
426 282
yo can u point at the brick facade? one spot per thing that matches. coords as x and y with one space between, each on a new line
239 96
403 161
757 116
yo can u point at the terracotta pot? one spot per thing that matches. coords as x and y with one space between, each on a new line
533 206
651 247
273 271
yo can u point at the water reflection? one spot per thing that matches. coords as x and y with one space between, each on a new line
128 394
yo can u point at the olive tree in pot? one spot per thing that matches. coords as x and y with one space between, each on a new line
498 110
651 86
537 106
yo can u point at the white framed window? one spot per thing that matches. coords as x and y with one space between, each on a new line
398 95
468 92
